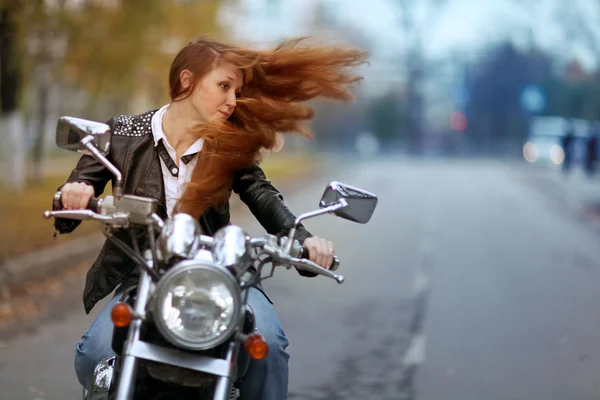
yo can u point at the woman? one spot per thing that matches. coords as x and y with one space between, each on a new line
227 104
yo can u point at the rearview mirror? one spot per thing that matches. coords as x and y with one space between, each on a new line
71 131
91 138
343 200
360 203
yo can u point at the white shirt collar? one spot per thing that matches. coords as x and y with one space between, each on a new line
157 130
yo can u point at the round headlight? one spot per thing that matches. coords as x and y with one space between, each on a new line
197 305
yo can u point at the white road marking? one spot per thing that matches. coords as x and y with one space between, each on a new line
416 352
421 282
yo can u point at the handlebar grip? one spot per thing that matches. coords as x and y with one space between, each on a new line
335 264
94 204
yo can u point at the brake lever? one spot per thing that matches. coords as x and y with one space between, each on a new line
84 215
304 264
307 265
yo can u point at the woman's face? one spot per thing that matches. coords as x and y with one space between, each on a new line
214 96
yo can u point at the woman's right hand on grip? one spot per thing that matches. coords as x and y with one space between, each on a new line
76 196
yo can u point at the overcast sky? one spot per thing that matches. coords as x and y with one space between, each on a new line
462 27
458 24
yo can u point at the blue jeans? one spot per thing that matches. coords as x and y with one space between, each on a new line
266 379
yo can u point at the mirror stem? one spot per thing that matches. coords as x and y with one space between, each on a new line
342 203
290 240
118 186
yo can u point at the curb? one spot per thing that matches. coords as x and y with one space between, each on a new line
574 189
581 202
47 261
51 260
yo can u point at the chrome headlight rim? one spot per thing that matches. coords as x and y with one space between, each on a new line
162 288
179 237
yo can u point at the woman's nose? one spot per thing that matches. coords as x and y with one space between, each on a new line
231 100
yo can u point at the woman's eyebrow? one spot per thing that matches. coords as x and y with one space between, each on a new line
232 79
229 78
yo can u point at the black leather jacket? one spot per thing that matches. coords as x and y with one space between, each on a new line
133 153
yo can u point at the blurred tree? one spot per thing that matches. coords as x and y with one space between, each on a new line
115 52
11 62
578 27
44 46
180 24
577 23
119 50
574 94
385 118
495 84
415 17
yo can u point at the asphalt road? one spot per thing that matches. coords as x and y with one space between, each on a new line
470 282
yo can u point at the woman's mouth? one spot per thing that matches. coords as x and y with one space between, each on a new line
224 114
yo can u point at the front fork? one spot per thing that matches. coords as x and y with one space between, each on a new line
131 351
224 383
129 361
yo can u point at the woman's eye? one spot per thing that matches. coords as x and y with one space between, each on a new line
238 94
225 86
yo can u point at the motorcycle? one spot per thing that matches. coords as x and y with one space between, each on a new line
186 330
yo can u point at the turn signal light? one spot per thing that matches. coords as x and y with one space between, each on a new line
121 315
256 346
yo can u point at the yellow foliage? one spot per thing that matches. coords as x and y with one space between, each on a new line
118 47
180 24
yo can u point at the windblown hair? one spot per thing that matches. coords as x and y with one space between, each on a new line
277 83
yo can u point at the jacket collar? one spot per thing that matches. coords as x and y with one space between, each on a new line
151 182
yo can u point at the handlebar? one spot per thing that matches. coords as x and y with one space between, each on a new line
91 212
116 211
269 244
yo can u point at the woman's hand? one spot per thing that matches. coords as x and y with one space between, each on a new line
320 251
76 196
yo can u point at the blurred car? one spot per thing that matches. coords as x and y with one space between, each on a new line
544 142
544 150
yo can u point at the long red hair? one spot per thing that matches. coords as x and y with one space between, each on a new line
277 83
